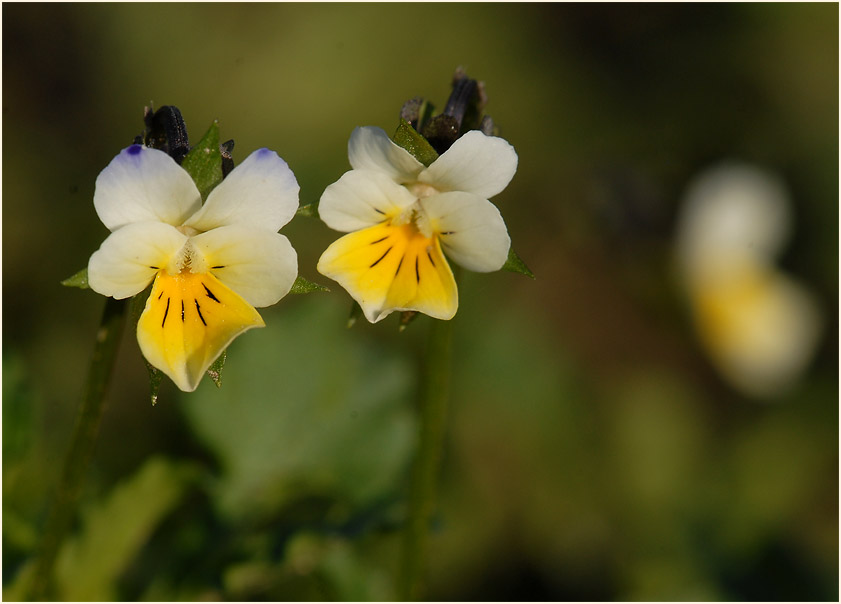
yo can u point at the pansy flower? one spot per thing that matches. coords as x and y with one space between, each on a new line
402 218
210 264
759 325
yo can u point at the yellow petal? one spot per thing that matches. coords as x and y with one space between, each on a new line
188 321
759 327
387 268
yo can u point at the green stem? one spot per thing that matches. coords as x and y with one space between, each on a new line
81 448
434 393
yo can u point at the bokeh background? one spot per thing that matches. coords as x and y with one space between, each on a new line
593 450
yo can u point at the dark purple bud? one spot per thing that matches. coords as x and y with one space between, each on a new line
166 130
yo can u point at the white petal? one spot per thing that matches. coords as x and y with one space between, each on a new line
370 148
476 163
261 192
470 228
143 184
732 210
130 257
362 198
259 265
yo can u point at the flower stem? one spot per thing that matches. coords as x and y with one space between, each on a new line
85 433
434 394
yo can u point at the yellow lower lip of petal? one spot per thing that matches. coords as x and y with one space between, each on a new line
388 268
188 321
757 327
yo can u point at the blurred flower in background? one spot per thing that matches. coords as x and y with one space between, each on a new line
759 326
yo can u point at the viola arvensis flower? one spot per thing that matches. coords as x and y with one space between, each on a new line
212 264
402 217
758 324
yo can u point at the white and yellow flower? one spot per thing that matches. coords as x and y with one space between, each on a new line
402 217
759 326
211 264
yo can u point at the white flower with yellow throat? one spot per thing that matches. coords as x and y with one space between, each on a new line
403 217
210 264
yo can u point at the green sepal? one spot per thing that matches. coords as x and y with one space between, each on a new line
136 308
215 370
310 210
409 138
204 161
515 264
79 280
304 286
155 378
355 313
406 317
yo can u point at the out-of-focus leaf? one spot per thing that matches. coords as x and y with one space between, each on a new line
409 138
351 578
310 408
79 280
515 264
304 286
114 530
18 406
204 161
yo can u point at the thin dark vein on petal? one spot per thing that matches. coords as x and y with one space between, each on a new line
210 293
198 308
166 312
377 261
379 240
417 271
399 264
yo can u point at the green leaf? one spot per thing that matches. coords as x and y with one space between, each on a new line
204 162
115 529
303 286
79 280
215 370
310 210
409 138
284 432
515 264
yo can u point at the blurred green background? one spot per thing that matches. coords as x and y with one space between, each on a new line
592 453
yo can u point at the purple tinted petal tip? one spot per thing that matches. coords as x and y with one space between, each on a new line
134 149
264 152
